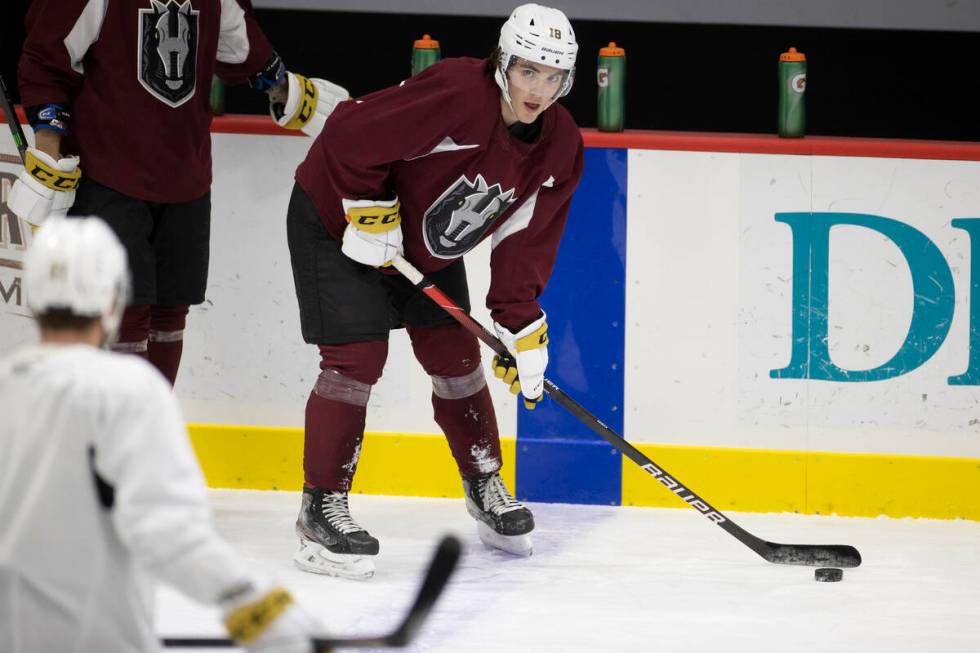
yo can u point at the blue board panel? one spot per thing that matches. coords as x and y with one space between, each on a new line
558 458
569 471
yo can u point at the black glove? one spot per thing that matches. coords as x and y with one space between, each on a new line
271 76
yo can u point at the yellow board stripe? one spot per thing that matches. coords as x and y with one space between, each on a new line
818 483
271 458
748 480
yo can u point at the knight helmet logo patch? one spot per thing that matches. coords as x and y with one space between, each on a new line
456 222
168 50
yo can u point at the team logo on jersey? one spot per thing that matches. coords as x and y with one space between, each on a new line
168 50
456 221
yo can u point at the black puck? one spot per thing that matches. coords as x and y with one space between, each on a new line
828 574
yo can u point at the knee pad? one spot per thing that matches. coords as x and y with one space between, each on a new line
348 371
167 322
134 329
459 387
451 356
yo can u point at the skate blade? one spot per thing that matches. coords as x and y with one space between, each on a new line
314 558
518 545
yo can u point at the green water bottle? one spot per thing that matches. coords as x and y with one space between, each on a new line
792 94
217 96
611 77
424 53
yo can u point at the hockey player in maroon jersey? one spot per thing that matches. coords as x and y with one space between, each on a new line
466 150
118 96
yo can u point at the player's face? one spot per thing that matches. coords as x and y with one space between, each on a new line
533 87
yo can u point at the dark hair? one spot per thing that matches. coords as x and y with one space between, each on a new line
492 61
62 319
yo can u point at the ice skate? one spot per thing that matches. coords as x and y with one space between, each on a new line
330 541
502 521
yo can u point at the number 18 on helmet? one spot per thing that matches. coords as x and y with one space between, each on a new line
537 53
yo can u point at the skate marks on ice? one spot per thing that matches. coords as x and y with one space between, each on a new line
624 579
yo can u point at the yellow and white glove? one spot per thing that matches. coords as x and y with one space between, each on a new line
523 370
374 231
44 187
268 621
309 102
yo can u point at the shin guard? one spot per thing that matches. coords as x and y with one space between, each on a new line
470 425
460 399
336 411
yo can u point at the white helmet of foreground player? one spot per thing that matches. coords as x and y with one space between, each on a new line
542 37
77 265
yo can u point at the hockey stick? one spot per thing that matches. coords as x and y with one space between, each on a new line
440 569
12 121
816 555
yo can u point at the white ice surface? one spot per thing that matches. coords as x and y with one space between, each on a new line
624 579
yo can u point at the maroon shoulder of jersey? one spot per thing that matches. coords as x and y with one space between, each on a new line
565 141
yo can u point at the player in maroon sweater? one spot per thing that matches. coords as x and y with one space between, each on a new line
117 93
464 151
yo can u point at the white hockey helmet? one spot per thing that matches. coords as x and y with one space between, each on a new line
77 265
539 35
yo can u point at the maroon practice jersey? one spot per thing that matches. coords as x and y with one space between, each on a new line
136 77
439 143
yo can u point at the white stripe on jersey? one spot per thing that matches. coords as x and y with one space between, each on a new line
518 221
84 32
447 145
233 43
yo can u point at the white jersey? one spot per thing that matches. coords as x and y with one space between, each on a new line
71 568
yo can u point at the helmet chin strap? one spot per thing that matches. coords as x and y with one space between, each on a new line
501 77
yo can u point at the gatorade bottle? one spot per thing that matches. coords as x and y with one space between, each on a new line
792 90
611 77
217 96
424 54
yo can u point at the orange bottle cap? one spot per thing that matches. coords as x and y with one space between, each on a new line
792 55
612 50
427 43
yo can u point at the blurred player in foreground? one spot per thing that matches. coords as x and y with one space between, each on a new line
98 482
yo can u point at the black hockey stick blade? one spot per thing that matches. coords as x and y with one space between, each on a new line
812 555
441 568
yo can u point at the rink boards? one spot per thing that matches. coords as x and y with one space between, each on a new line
782 325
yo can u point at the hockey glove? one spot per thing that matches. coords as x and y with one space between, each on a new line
44 187
308 104
374 231
523 369
268 621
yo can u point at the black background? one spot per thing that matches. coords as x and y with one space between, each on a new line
719 78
